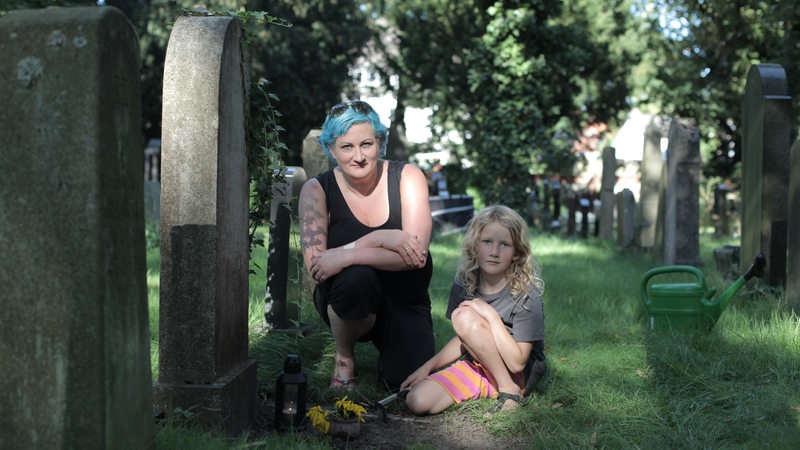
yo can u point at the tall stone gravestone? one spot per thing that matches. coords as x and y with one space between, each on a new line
652 169
607 198
766 139
793 244
75 346
203 336
680 221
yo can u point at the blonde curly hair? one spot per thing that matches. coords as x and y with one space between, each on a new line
523 270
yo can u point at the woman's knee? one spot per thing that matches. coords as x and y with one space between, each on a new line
355 292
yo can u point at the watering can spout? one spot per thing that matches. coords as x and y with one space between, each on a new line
715 307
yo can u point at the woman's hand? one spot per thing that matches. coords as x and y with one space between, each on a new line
409 247
327 264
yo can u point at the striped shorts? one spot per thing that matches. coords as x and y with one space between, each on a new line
468 380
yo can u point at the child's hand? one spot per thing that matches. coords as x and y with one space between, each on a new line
415 377
482 308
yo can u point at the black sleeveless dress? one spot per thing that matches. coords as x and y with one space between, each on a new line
403 331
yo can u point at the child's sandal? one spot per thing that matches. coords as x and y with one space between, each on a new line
501 401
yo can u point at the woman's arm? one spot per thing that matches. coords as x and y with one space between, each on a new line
313 222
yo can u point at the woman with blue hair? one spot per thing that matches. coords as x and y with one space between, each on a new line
365 226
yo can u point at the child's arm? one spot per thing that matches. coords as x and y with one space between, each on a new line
514 354
449 353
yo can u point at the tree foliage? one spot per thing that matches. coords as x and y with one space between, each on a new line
309 64
703 59
515 79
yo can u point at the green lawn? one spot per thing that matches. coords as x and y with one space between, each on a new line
612 382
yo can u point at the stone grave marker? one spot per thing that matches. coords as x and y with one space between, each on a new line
607 201
75 340
766 140
626 218
315 161
793 242
652 172
681 212
203 325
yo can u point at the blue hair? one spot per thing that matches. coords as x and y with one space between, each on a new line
339 125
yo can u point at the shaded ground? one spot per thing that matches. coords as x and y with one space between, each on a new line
455 430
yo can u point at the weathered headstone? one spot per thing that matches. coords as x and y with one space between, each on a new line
652 168
766 140
203 335
681 211
280 311
315 161
626 218
572 209
584 204
793 242
607 193
75 343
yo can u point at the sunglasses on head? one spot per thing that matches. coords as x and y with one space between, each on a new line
358 106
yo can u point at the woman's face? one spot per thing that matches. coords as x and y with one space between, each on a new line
357 151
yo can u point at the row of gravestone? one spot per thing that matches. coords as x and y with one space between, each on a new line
666 219
74 322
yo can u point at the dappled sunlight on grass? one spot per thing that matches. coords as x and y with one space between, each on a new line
612 382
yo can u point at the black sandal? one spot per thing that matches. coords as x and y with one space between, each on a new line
501 401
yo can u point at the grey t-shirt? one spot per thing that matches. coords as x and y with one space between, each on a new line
524 319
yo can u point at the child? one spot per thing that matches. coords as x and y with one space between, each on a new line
498 317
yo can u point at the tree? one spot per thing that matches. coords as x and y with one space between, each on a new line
514 78
703 60
310 64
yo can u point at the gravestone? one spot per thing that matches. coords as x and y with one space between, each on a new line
584 204
315 161
766 140
793 241
652 172
280 311
626 218
681 211
572 209
607 193
203 334
74 318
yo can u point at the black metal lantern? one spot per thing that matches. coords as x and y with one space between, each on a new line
290 394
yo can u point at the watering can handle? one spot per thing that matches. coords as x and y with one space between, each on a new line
665 270
757 269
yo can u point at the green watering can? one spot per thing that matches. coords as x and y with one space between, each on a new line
689 306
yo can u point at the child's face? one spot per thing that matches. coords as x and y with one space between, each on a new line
495 249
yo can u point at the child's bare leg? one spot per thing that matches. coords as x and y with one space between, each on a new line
428 397
476 336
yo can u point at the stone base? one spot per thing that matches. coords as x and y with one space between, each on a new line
229 403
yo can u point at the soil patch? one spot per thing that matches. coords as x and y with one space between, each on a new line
453 430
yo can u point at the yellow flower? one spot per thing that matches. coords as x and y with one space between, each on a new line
348 409
318 417
345 409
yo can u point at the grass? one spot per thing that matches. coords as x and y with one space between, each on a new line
612 382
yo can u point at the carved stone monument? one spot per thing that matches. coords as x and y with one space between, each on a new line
203 326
